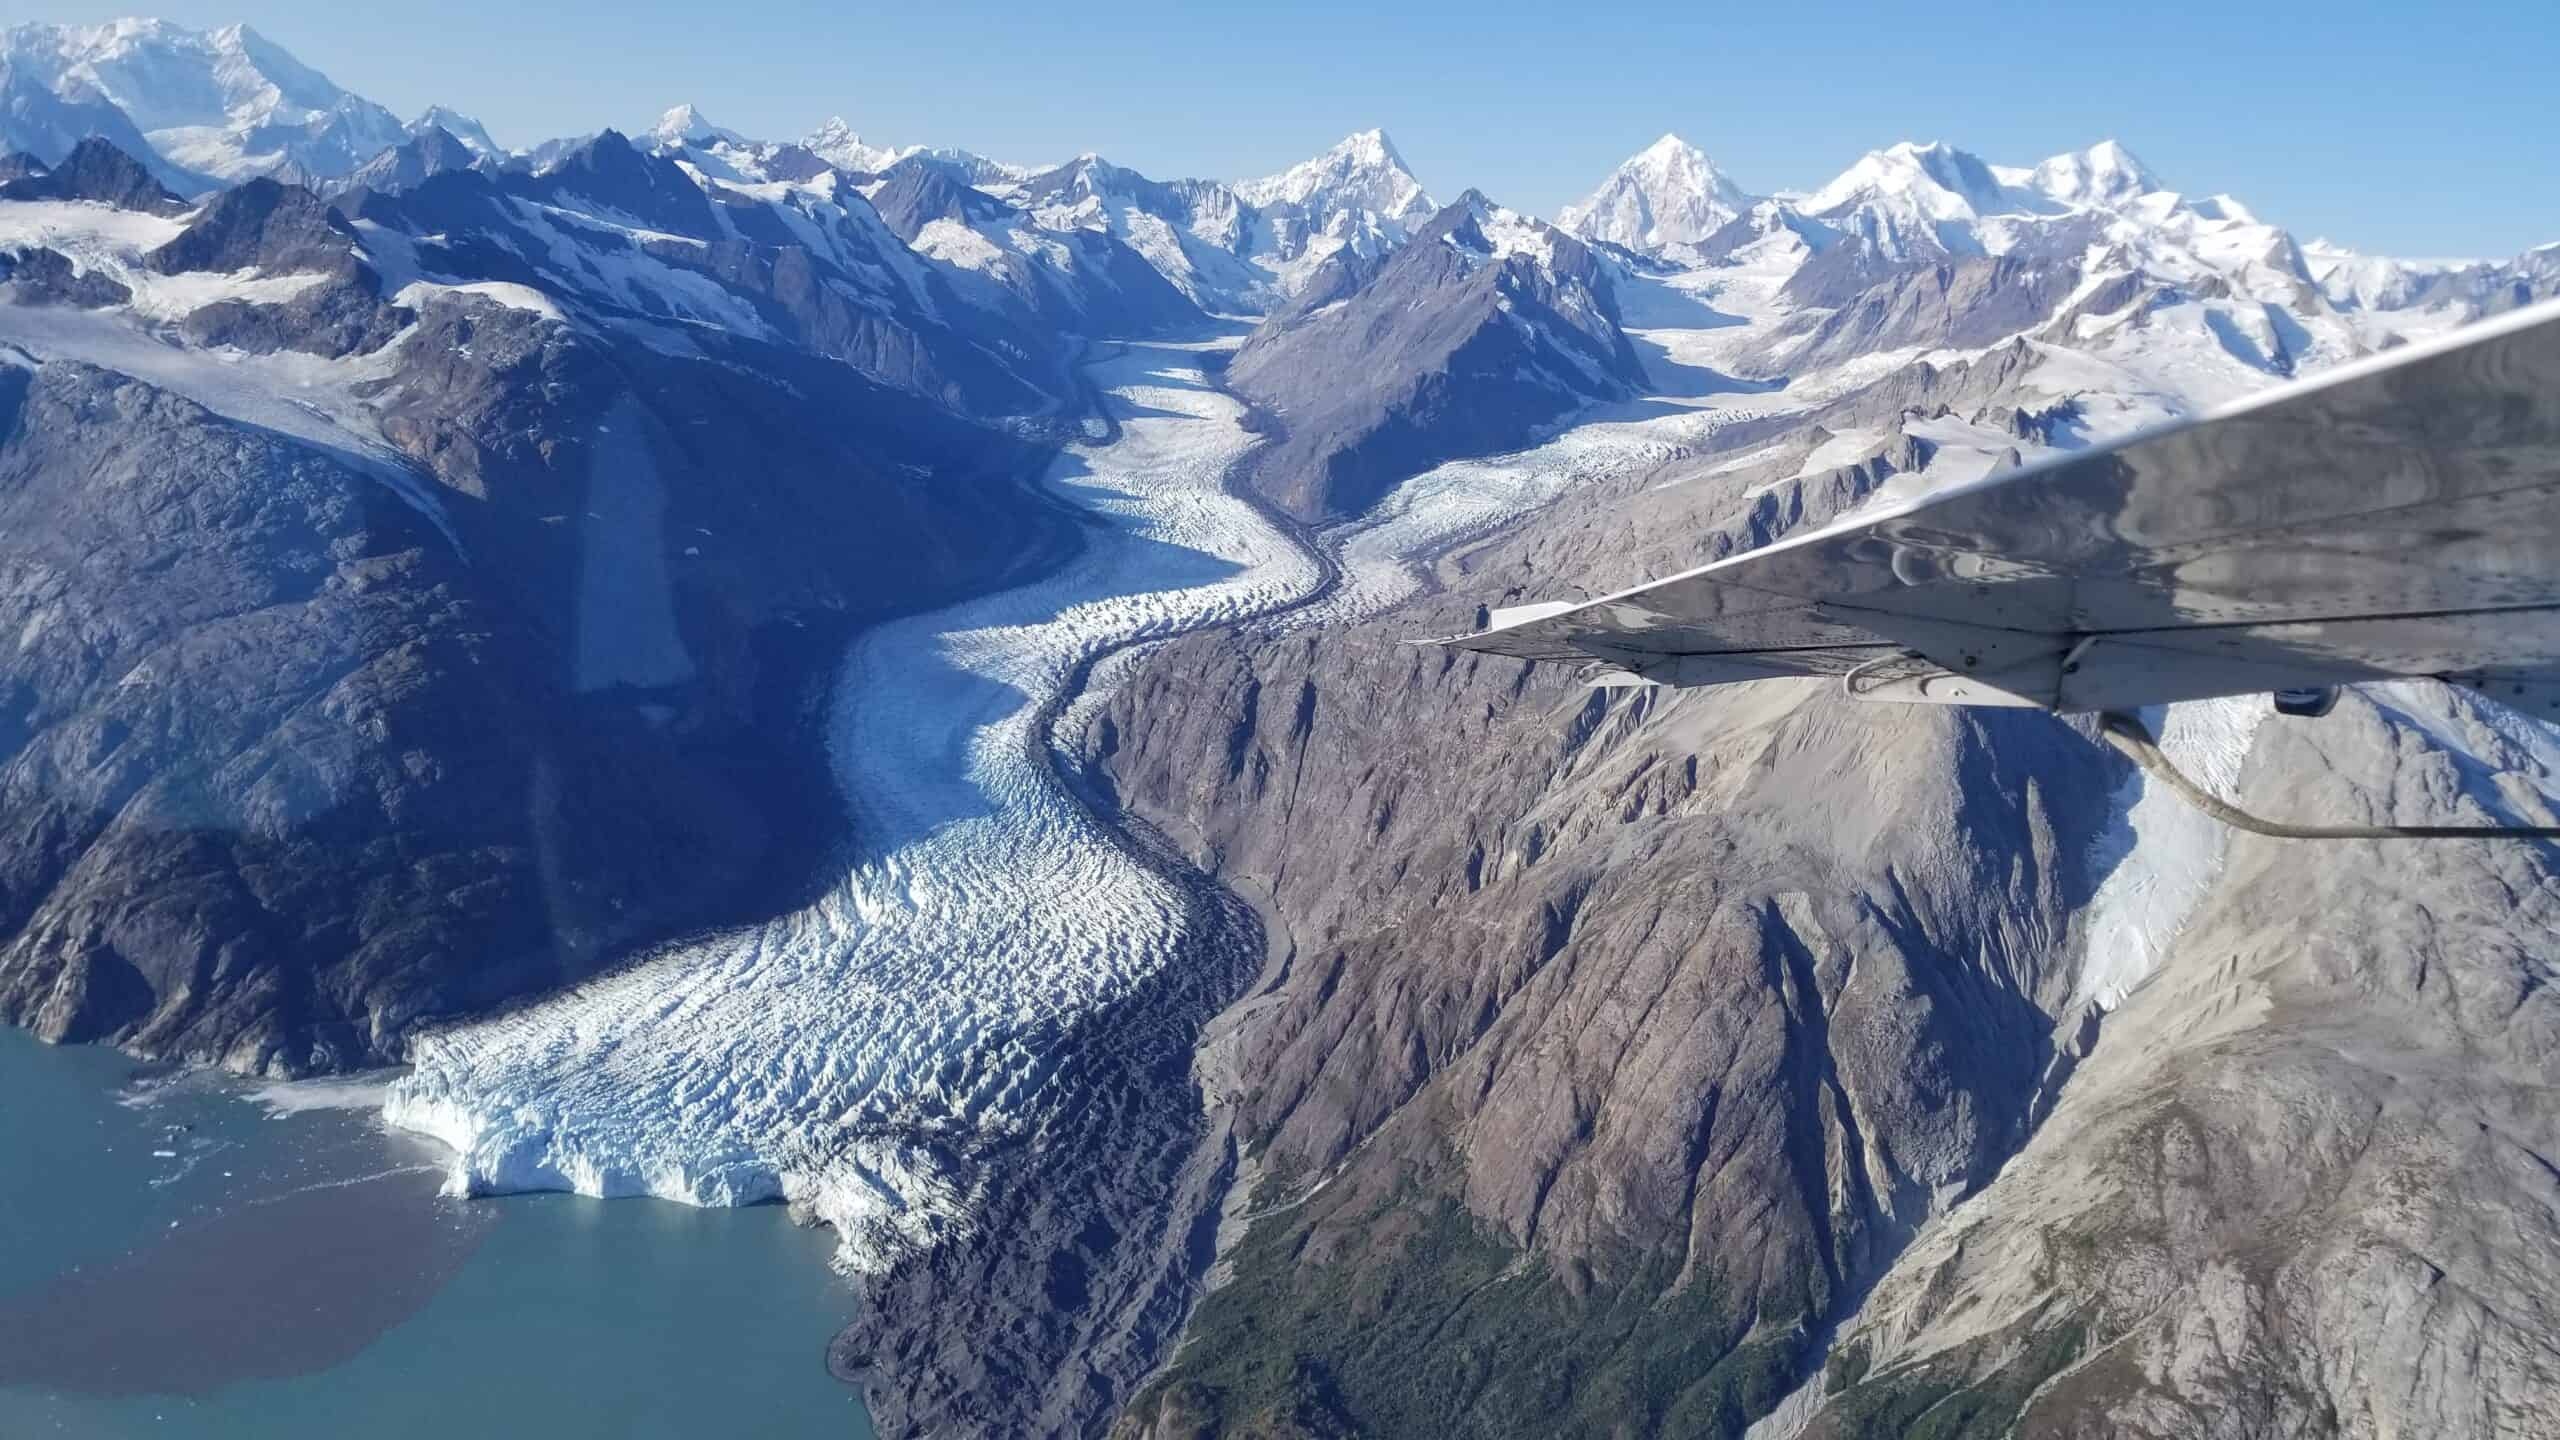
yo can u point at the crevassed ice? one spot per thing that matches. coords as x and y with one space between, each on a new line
2164 851
816 1056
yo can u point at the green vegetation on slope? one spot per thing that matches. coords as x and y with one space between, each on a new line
1451 1332
1936 1400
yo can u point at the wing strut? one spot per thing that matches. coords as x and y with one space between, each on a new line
2128 734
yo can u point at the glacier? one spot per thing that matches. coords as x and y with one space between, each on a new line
850 1057
845 1056
833 1056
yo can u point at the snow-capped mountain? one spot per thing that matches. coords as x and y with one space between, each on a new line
1195 234
225 103
2369 283
1242 247
1361 179
35 121
624 243
1916 202
202 107
2178 300
1924 184
1357 197
1485 326
535 460
2104 174
431 151
839 145
998 256
2373 281
1919 201
718 153
997 177
682 126
465 128
1920 246
712 153
1666 197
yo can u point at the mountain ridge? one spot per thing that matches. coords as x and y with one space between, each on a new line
1640 1042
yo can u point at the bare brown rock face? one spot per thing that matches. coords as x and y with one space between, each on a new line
1619 1047
1680 1009
2305 1185
1453 346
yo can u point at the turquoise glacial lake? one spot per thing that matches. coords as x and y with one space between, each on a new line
192 1255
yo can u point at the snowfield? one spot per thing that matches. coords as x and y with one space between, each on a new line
1385 551
821 1056
1682 335
310 399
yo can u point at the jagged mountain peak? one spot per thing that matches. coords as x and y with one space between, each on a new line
1497 233
1674 154
919 190
686 125
1483 228
1362 171
839 144
1369 147
465 128
430 151
1665 195
1090 173
1480 290
96 169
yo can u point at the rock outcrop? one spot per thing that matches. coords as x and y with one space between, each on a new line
1655 1064
2305 1183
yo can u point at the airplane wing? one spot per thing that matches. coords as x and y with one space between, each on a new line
2393 518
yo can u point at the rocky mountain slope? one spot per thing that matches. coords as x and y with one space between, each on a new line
428 563
2303 1183
1711 1062
1085 282
463 670
1487 326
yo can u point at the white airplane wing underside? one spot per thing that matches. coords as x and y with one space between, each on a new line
2393 518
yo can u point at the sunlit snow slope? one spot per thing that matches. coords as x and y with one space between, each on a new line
818 1057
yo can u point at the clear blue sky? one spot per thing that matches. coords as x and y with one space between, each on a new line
2400 129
